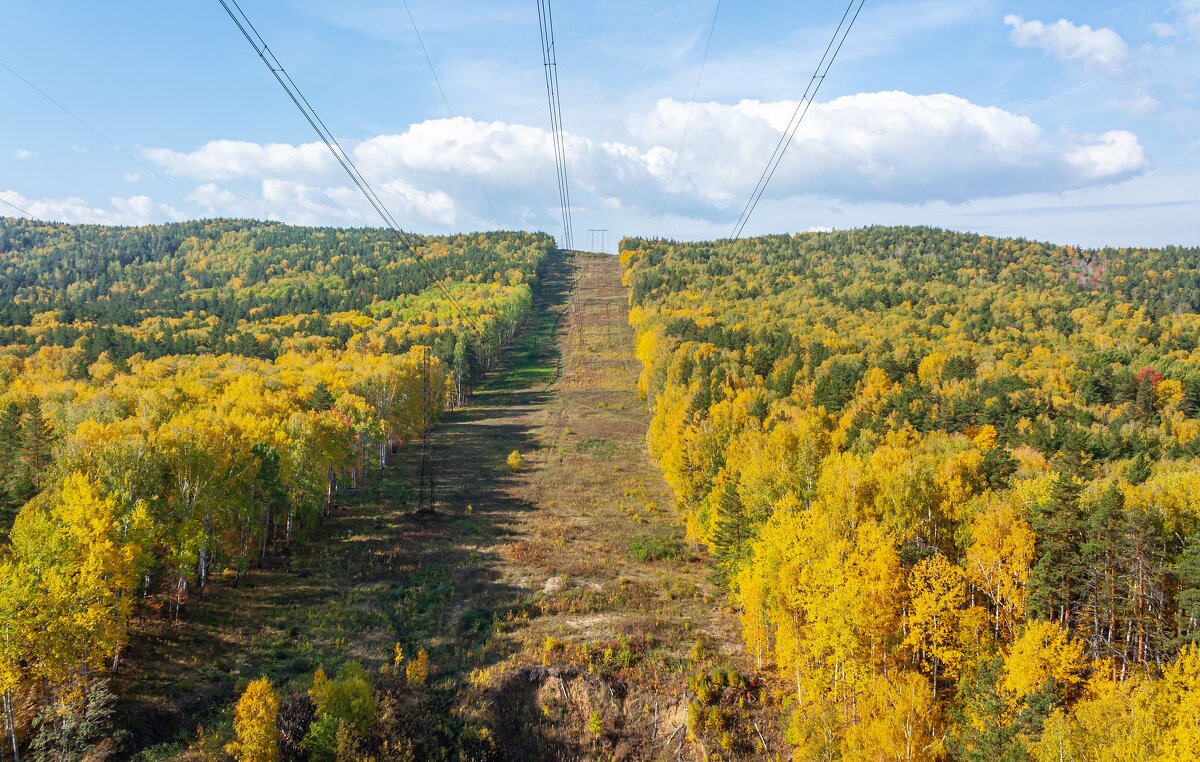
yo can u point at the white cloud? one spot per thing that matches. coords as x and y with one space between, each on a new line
889 147
134 210
1099 48
1138 105
230 159
131 177
22 154
1113 154
304 204
1188 12
1164 30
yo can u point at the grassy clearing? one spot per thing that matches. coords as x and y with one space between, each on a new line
571 564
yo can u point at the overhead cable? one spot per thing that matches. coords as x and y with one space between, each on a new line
688 122
246 27
554 100
102 136
810 93
467 149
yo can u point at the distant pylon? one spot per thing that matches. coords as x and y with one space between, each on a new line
425 496
600 236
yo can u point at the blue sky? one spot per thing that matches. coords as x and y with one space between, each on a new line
1075 122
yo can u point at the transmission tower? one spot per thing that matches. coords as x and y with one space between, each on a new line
598 235
425 493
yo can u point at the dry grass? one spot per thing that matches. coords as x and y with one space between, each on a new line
546 553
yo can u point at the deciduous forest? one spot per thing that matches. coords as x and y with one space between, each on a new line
300 489
948 480
933 497
179 402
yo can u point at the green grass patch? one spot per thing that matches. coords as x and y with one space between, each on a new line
602 447
647 548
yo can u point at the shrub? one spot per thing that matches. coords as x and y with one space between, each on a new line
350 698
595 724
515 461
417 670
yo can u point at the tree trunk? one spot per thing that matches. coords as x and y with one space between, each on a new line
1141 611
268 529
11 724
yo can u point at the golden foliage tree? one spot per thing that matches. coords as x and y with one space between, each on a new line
254 723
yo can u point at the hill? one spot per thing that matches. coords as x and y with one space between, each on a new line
183 402
947 478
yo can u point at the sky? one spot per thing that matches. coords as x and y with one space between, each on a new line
1070 122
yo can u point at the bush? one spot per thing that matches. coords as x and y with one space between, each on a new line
515 461
595 724
296 714
348 699
417 670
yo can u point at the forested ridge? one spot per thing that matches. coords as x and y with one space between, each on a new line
251 288
179 401
950 481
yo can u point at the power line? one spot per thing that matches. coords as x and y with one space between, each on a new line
450 111
246 27
688 122
806 101
550 65
550 68
103 137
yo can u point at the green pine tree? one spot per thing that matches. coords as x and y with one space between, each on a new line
1055 575
33 454
733 533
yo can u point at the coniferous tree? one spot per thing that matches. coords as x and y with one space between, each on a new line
733 532
1187 570
33 454
1145 586
1102 553
1054 579
321 398
10 448
1139 470
982 729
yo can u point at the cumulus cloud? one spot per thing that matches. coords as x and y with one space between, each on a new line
21 154
1113 154
133 210
891 147
231 159
305 204
1102 49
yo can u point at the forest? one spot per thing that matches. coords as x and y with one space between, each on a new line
948 481
178 402
934 492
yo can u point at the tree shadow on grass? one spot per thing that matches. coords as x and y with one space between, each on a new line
372 576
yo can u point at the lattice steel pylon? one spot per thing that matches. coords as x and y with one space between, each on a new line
425 489
598 235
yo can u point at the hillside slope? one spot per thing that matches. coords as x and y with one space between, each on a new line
562 615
